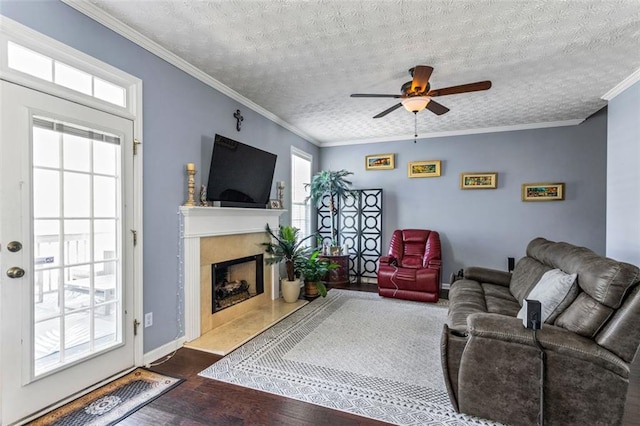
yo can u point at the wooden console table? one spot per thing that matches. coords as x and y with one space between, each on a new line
339 276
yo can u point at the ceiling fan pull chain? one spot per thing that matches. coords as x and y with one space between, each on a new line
415 125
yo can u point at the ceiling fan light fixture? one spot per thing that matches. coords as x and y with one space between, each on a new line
415 103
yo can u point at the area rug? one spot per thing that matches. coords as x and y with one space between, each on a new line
111 403
355 352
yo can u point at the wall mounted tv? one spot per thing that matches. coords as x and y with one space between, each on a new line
240 175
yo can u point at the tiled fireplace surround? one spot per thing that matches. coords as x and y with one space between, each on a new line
216 234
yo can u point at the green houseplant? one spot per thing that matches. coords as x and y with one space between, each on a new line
336 186
314 269
285 246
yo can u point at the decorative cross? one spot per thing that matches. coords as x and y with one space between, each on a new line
239 118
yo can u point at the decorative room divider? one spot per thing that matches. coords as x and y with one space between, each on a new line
359 224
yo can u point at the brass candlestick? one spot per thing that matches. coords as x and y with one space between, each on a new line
191 172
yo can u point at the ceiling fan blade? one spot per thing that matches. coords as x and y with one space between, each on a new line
421 74
373 95
464 88
437 108
388 110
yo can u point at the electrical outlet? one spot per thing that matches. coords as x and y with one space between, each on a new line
148 319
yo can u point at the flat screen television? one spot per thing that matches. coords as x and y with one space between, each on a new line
240 175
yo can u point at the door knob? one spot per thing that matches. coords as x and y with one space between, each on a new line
14 246
15 272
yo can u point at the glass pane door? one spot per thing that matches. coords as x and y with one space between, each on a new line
66 310
77 243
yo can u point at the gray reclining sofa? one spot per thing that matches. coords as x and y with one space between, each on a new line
490 360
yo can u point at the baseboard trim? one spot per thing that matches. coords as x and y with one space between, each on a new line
446 286
163 350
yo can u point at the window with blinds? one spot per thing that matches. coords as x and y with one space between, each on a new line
300 175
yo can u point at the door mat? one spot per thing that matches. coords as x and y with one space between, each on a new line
112 402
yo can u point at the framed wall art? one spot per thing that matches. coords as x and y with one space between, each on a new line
482 180
418 169
380 162
542 191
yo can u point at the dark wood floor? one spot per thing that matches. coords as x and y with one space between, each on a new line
201 401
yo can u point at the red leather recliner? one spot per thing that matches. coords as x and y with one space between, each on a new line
412 269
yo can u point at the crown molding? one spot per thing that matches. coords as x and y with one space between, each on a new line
457 133
146 43
622 86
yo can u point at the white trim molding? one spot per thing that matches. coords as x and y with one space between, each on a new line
457 133
162 351
622 86
301 153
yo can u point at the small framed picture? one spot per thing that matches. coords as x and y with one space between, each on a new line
275 204
482 180
542 191
380 162
421 169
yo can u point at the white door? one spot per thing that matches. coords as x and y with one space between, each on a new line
66 295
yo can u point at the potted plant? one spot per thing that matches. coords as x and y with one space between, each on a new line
336 186
285 247
314 269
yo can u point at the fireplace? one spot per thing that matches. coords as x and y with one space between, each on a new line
212 235
235 281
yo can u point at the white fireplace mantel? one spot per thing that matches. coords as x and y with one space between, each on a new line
214 221
202 222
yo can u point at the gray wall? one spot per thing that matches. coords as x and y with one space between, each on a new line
623 176
181 116
484 227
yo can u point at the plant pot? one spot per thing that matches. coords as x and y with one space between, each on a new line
290 290
311 289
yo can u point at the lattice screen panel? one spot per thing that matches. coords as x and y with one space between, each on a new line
359 224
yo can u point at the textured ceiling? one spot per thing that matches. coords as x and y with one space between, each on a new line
549 61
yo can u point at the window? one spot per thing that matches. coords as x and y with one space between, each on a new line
300 207
42 67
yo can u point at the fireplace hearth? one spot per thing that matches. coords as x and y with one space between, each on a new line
235 281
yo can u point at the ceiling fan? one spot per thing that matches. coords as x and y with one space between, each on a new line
417 94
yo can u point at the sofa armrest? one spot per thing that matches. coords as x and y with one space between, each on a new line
499 375
486 275
387 260
553 339
434 264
